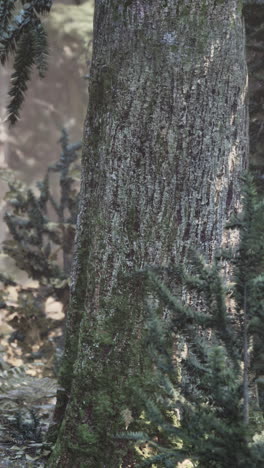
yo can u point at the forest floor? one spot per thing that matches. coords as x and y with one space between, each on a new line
28 384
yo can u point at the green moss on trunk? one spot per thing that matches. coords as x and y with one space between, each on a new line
165 136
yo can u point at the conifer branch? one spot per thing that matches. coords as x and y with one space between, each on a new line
203 409
24 61
6 10
246 363
40 48
23 36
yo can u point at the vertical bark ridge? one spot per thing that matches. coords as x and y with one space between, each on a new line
165 144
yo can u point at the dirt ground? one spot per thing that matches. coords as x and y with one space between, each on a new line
29 361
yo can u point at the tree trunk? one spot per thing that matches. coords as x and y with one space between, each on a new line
165 141
254 19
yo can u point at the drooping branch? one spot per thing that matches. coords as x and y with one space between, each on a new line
22 35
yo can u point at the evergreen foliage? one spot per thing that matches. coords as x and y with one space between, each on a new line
41 242
22 34
208 357
34 234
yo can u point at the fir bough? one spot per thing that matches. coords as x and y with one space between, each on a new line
22 35
39 244
208 358
36 239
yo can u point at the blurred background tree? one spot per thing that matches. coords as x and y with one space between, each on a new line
60 100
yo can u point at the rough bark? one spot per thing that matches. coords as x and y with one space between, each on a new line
254 19
165 141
